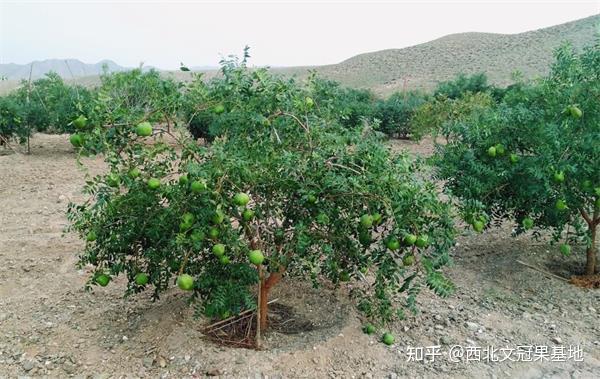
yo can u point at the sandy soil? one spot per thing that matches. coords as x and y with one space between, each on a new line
49 326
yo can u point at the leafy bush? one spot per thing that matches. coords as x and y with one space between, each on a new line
456 88
431 117
11 126
533 157
283 191
396 112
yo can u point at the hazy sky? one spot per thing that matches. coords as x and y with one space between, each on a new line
280 33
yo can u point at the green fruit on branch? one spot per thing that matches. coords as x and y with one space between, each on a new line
241 199
514 158
76 140
422 241
256 257
185 282
377 218
198 186
80 122
366 221
527 223
575 111
153 183
478 226
218 250
141 279
565 249
143 129
113 180
492 151
103 280
225 260
408 260
184 180
213 233
218 217
134 173
219 108
393 244
248 214
410 239
559 176
311 198
561 204
309 102
91 236
500 149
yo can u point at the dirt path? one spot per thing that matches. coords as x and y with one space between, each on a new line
50 326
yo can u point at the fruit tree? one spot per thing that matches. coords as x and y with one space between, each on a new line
282 191
534 157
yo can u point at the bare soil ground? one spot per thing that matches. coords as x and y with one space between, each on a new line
49 326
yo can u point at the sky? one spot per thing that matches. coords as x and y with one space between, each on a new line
279 33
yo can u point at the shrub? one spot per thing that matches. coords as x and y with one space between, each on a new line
533 158
319 200
396 112
456 88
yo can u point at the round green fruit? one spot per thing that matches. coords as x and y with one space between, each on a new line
219 108
103 280
225 260
141 279
185 282
575 111
134 173
248 214
514 158
80 122
478 226
76 140
561 204
113 180
256 257
565 249
377 218
410 239
311 198
388 339
143 129
218 250
91 236
422 241
527 223
500 149
184 180
198 186
408 260
153 183
323 219
559 176
241 199
218 217
393 244
197 235
492 151
213 233
369 329
309 102
366 221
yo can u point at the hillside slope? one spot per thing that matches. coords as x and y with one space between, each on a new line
67 68
422 66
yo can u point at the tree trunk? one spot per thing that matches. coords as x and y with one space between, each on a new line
590 266
266 285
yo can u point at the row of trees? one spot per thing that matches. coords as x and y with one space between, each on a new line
297 180
50 105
